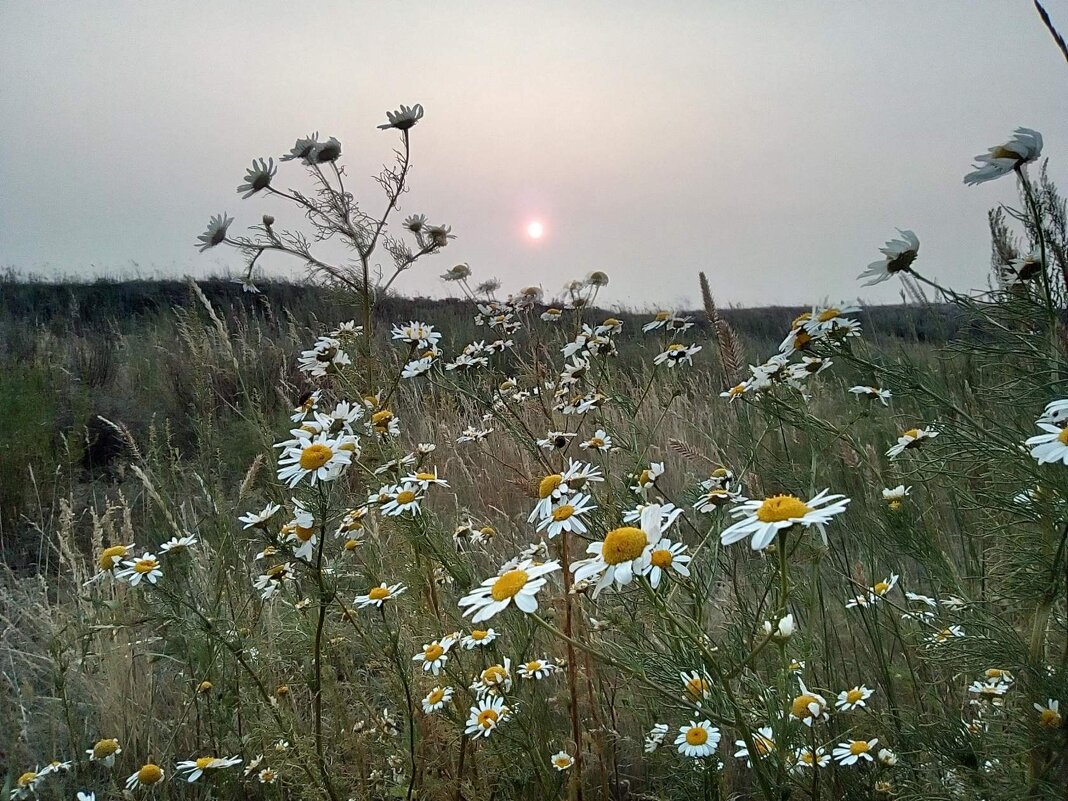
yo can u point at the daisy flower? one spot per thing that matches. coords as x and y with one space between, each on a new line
567 516
551 490
659 321
148 775
215 233
698 740
1055 412
988 690
763 744
258 177
887 757
676 353
113 556
808 707
715 498
1049 447
698 686
259 519
435 655
267 776
647 477
946 634
486 716
421 335
377 596
656 736
666 555
176 544
872 393
494 680
195 768
781 631
26 784
104 751
537 669
478 638
274 579
881 588
436 699
623 553
578 474
518 585
852 751
848 700
912 438
561 760
763 520
599 441
401 499
807 758
404 118
899 254
894 496
1024 147
320 459
134 570
1049 714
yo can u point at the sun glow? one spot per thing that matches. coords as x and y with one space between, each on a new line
535 230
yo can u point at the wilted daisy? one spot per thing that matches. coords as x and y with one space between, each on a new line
478 638
274 579
763 520
561 760
567 516
664 556
104 751
899 254
1049 714
176 544
384 423
763 743
258 177
676 353
216 232
324 357
809 707
1049 447
647 477
302 149
912 438
146 568
623 553
536 669
520 585
436 699
195 768
881 588
320 458
435 655
872 393
946 634
486 716
852 751
377 596
848 700
1024 147
267 776
887 757
148 775
698 740
404 118
655 738
894 496
113 556
988 690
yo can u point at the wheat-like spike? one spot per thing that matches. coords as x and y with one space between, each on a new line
685 450
127 437
706 298
730 350
250 477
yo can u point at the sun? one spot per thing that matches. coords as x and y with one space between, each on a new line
535 230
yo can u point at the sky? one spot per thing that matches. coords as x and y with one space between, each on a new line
774 146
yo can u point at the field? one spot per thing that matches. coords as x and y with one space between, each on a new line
319 540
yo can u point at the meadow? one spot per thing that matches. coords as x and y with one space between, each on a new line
319 540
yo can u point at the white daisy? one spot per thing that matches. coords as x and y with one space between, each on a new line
377 596
478 638
520 585
623 553
655 738
258 177
872 393
599 441
912 438
899 254
320 458
402 499
435 655
176 544
195 768
272 581
895 495
1049 447
852 751
134 570
567 516
763 742
104 751
404 118
807 758
676 353
666 555
537 669
763 520
698 740
148 775
561 760
1024 147
698 685
1049 714
436 699
809 707
216 232
486 716
848 700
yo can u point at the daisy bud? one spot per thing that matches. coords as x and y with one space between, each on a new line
204 686
887 757
268 220
782 631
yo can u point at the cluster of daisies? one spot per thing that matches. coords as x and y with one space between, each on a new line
122 564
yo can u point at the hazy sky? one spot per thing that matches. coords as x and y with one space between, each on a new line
774 145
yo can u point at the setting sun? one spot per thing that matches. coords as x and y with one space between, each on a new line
535 230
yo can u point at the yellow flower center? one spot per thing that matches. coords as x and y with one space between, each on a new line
478 634
562 762
105 748
623 545
696 735
662 558
432 652
378 593
1049 718
144 566
829 314
149 774
204 762
697 686
548 485
780 508
304 534
109 556
736 390
763 745
405 497
426 476
435 697
534 666
661 316
494 674
596 442
1005 152
644 478
800 707
487 718
881 587
204 686
315 456
801 339
1063 437
351 545
487 531
382 418
854 695
858 747
508 584
912 433
563 512
801 318
26 778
